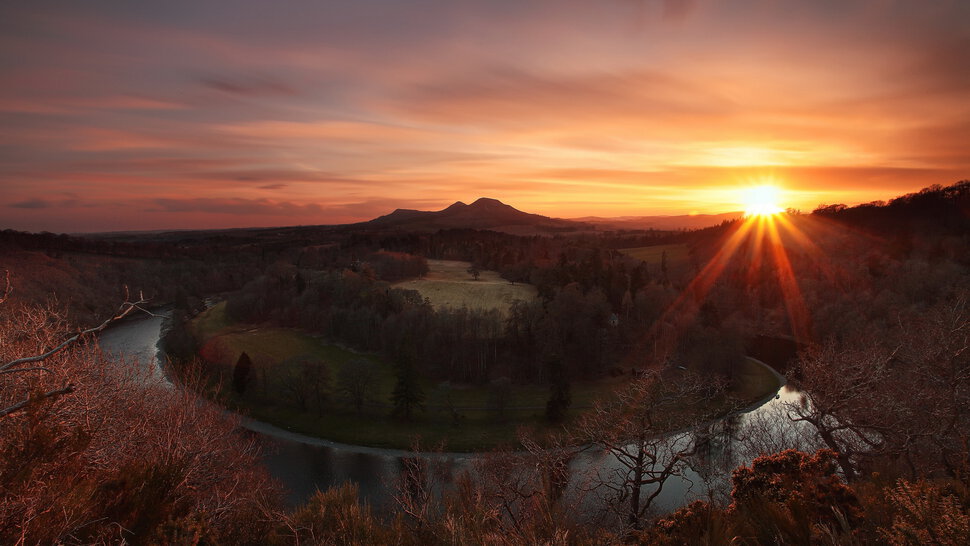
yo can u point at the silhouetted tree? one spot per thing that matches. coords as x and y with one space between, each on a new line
560 397
241 373
633 427
407 396
356 380
304 379
499 393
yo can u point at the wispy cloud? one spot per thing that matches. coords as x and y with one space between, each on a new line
346 111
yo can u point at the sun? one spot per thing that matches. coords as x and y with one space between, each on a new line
761 201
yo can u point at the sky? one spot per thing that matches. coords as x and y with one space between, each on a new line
128 115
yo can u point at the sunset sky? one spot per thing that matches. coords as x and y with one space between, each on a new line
150 115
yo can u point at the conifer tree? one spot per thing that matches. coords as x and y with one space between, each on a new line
241 373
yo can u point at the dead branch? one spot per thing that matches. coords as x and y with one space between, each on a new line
126 308
49 394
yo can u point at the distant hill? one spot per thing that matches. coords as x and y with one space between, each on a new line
684 221
484 213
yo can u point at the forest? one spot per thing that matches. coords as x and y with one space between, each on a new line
864 309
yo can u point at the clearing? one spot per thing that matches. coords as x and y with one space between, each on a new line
677 255
448 284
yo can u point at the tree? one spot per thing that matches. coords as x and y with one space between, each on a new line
356 380
113 459
560 397
241 373
636 428
499 393
45 321
852 401
407 396
304 380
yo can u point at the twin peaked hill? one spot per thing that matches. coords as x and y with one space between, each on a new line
495 215
484 213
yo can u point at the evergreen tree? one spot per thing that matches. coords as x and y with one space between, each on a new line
241 373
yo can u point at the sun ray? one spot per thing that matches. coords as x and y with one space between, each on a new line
757 250
791 292
700 285
806 244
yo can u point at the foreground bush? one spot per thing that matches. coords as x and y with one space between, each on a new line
112 458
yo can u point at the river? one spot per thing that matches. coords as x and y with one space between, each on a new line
304 464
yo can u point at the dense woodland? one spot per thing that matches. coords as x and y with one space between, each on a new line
875 297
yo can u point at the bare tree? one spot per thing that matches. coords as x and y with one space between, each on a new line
638 431
33 363
852 401
357 380
148 459
304 380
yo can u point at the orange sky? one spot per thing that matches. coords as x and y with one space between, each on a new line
138 115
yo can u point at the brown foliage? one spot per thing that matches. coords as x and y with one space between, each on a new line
784 498
118 458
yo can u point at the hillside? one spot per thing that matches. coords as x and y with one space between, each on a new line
484 213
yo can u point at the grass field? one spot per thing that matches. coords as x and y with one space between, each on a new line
476 428
448 284
676 254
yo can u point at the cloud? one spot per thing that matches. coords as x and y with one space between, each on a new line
505 95
250 86
69 200
349 110
32 204
238 206
678 10
261 211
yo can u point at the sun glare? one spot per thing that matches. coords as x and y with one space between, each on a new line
761 201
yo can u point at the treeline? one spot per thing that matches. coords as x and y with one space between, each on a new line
933 210
576 326
546 262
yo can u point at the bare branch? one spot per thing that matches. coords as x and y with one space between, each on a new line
125 309
49 394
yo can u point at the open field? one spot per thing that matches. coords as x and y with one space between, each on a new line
448 284
676 254
470 424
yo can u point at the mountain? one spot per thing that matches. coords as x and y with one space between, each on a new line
684 221
495 215
484 213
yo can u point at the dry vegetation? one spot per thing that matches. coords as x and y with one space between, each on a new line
448 284
92 454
